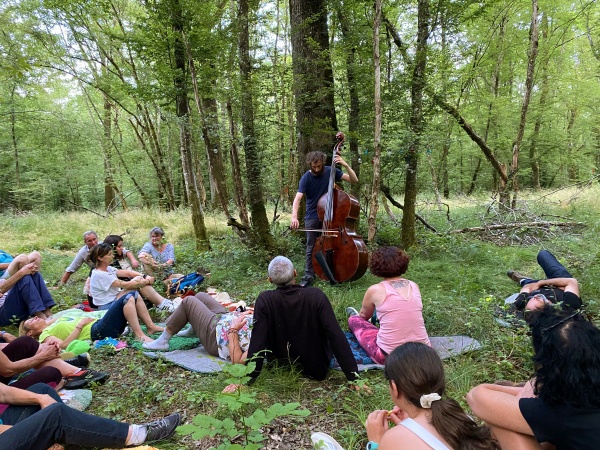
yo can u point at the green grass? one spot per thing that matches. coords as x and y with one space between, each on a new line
462 279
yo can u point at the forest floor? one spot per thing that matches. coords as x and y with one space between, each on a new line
462 277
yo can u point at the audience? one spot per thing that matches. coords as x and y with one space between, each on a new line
398 305
90 238
560 405
106 287
123 258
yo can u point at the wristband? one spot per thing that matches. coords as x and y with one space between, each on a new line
372 445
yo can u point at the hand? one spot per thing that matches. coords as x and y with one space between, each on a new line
45 400
294 224
29 269
377 425
135 264
339 160
529 287
52 340
230 389
362 387
48 351
150 280
397 415
8 337
86 320
238 322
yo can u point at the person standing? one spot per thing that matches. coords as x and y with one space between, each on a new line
314 184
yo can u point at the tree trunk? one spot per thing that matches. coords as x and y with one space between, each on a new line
260 235
313 76
185 138
14 141
374 202
409 237
236 173
533 50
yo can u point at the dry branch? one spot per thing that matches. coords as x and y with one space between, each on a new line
508 226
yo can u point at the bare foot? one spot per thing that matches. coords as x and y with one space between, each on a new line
155 329
144 338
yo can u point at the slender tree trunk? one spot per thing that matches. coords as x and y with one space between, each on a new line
409 237
260 235
14 141
183 114
533 51
313 76
236 173
374 202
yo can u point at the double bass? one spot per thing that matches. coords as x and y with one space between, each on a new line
339 254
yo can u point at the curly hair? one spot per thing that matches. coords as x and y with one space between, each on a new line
387 262
316 156
567 357
416 369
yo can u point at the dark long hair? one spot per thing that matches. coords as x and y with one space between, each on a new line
417 370
567 357
98 251
113 240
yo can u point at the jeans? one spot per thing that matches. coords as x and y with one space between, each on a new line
551 267
114 322
35 429
28 296
311 238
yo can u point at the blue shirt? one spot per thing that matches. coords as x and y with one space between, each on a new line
314 187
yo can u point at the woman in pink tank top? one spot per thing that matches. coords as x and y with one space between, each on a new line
398 303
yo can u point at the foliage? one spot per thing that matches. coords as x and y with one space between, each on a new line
236 405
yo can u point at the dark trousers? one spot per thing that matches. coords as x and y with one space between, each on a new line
311 238
35 429
551 267
28 296
25 347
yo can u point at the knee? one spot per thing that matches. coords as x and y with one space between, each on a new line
36 257
42 388
21 259
27 345
49 374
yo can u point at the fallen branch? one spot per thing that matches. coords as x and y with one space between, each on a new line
386 192
507 226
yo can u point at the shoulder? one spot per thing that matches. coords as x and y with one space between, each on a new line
375 290
401 438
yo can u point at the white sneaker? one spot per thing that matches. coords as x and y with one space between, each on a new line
166 305
322 441
154 345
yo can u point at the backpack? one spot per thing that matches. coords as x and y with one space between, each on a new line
180 285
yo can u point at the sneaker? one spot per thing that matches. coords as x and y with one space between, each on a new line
82 360
162 428
322 441
515 276
155 345
166 305
85 377
126 331
306 281
350 311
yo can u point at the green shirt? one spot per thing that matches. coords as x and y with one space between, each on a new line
67 322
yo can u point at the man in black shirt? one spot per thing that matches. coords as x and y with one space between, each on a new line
297 325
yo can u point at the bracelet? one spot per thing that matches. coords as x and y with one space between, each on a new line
372 445
2 333
232 330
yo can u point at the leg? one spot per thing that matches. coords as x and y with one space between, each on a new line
21 348
552 268
25 299
311 238
114 322
151 295
59 423
203 313
144 316
47 374
366 335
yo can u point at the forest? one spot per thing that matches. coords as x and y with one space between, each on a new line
212 105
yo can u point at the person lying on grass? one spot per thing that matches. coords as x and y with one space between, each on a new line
25 353
560 406
106 287
75 324
222 333
36 419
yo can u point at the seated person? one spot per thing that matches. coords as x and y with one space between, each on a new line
76 324
24 293
298 325
561 404
37 419
398 303
106 287
20 261
90 238
222 333
558 286
158 257
425 419
25 353
124 259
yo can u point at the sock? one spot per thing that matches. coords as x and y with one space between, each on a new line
164 338
138 435
189 332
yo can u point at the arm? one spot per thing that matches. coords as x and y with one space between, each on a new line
368 304
15 396
71 337
4 266
351 175
295 206
566 284
10 368
134 262
27 269
236 354
137 283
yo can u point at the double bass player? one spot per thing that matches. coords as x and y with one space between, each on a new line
313 185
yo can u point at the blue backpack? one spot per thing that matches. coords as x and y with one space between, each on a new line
4 258
180 286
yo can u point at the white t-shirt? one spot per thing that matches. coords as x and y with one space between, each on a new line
100 286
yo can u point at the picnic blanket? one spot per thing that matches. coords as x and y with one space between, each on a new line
196 359
78 399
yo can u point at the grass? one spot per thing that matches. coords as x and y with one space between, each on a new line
462 280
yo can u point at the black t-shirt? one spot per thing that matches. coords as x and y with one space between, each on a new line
554 295
564 426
